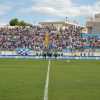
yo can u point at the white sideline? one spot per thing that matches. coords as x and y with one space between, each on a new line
47 82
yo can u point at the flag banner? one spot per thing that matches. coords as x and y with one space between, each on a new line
46 41
24 51
89 35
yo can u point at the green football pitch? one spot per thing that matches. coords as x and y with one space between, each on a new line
22 79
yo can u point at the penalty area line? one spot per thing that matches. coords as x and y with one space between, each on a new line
47 82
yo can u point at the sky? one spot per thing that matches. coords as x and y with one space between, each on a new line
34 11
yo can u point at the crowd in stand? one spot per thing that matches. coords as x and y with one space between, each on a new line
91 42
65 38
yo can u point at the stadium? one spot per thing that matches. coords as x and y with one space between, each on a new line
59 40
55 60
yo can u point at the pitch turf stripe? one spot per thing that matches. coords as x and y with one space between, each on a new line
47 82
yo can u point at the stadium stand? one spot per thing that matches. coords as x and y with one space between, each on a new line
36 41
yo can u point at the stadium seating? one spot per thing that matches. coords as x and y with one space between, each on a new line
70 39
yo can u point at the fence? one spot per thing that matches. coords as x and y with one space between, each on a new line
67 55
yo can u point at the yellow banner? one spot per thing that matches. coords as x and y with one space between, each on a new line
46 41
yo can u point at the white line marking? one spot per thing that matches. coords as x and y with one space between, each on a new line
47 82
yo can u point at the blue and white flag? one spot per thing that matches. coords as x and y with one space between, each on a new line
24 51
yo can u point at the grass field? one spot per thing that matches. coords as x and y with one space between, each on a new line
25 79
22 79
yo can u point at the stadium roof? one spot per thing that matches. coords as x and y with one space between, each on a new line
59 22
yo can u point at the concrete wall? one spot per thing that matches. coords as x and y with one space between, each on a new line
94 25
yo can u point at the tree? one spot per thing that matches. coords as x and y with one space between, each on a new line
22 23
14 22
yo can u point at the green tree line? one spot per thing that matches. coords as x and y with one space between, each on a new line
17 22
